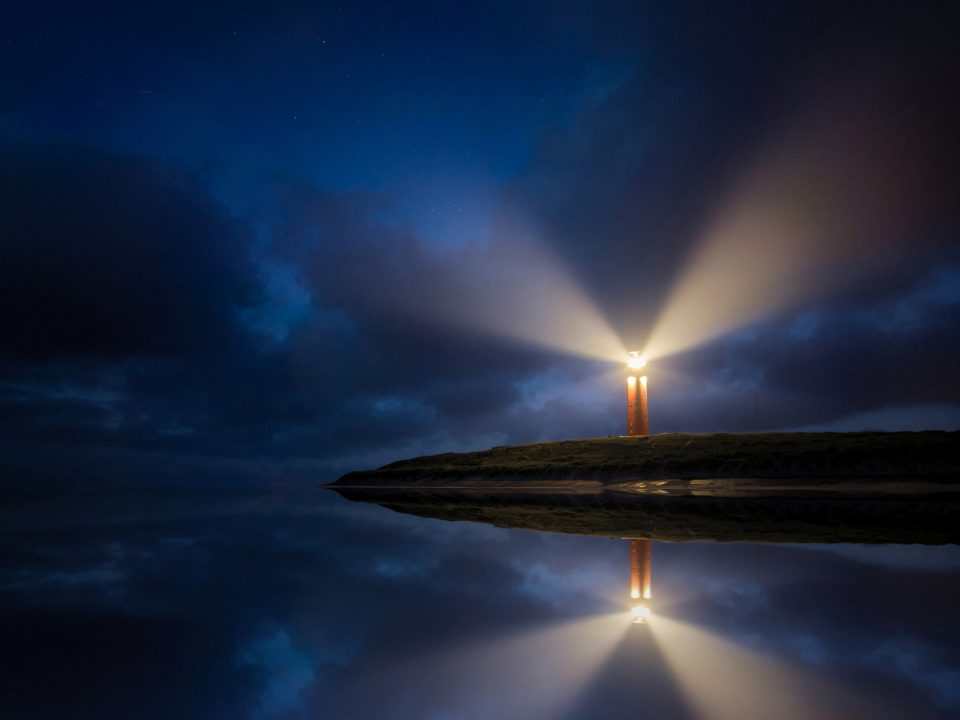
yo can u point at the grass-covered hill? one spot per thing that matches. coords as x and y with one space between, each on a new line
928 455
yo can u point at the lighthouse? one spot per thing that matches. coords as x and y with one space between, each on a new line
638 422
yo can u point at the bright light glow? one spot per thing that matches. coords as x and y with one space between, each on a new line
537 675
826 202
512 286
641 613
726 681
635 361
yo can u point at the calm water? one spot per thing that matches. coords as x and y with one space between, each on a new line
246 604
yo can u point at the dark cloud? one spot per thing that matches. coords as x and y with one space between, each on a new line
111 257
134 315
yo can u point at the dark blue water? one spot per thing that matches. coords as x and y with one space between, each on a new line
298 604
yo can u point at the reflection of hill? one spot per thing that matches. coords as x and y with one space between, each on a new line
801 516
813 456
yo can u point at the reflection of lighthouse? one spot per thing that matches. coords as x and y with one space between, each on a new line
638 422
640 590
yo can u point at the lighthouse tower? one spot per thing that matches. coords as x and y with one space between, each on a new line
638 422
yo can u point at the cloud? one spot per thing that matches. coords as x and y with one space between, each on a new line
136 315
287 672
110 257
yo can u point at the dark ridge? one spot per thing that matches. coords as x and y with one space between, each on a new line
908 456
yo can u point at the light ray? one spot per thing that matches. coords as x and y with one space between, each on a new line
536 675
512 286
518 289
828 201
726 681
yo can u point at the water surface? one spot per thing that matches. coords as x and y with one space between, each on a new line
225 603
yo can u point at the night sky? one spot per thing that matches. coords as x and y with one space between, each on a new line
248 247
278 241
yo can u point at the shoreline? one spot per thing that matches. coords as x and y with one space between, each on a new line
714 487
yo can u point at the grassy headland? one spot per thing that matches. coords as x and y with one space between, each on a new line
929 456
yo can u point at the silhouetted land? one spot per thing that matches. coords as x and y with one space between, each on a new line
758 487
814 457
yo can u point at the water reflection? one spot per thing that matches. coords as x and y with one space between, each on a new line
641 553
304 605
684 515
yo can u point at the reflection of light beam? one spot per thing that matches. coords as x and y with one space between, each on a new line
533 676
641 559
641 587
725 681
